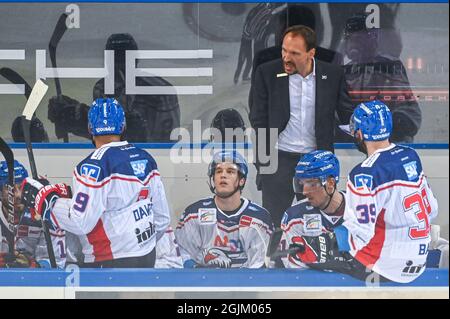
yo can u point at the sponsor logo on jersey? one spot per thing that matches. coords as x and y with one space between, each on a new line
411 270
363 182
139 167
245 221
207 215
142 211
90 172
22 231
313 222
143 236
411 170
143 194
396 151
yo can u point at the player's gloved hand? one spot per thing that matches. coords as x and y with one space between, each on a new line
17 260
29 189
315 249
216 258
46 198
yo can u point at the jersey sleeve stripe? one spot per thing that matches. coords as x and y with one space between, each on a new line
292 223
188 218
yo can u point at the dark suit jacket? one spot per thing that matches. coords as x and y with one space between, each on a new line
271 107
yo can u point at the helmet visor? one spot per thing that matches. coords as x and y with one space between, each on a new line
307 185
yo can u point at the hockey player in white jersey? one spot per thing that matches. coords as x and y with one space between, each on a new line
225 230
316 177
119 207
389 205
30 248
168 253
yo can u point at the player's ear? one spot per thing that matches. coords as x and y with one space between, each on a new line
331 184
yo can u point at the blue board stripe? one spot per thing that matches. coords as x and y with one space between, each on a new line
202 278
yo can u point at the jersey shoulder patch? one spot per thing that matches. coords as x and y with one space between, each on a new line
258 212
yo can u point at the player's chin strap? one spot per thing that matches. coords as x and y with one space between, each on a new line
330 197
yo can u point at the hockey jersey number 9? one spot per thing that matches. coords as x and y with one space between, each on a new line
119 204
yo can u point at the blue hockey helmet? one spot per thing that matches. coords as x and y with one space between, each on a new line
374 119
316 165
228 157
106 117
20 173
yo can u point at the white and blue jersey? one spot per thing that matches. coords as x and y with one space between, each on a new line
30 239
119 206
240 239
304 220
389 207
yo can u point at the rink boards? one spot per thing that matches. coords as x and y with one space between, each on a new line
210 283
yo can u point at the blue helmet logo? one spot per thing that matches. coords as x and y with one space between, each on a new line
20 173
318 164
106 117
374 119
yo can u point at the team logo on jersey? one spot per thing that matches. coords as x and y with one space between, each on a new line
90 172
233 245
207 215
363 182
139 167
411 170
313 222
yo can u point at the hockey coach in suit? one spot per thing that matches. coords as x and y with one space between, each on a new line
299 96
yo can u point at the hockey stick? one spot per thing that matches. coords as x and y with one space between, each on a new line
14 77
8 222
59 31
38 92
272 250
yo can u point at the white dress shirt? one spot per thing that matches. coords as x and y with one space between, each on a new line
299 135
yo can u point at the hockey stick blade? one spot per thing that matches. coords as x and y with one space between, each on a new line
38 92
14 77
59 31
36 95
